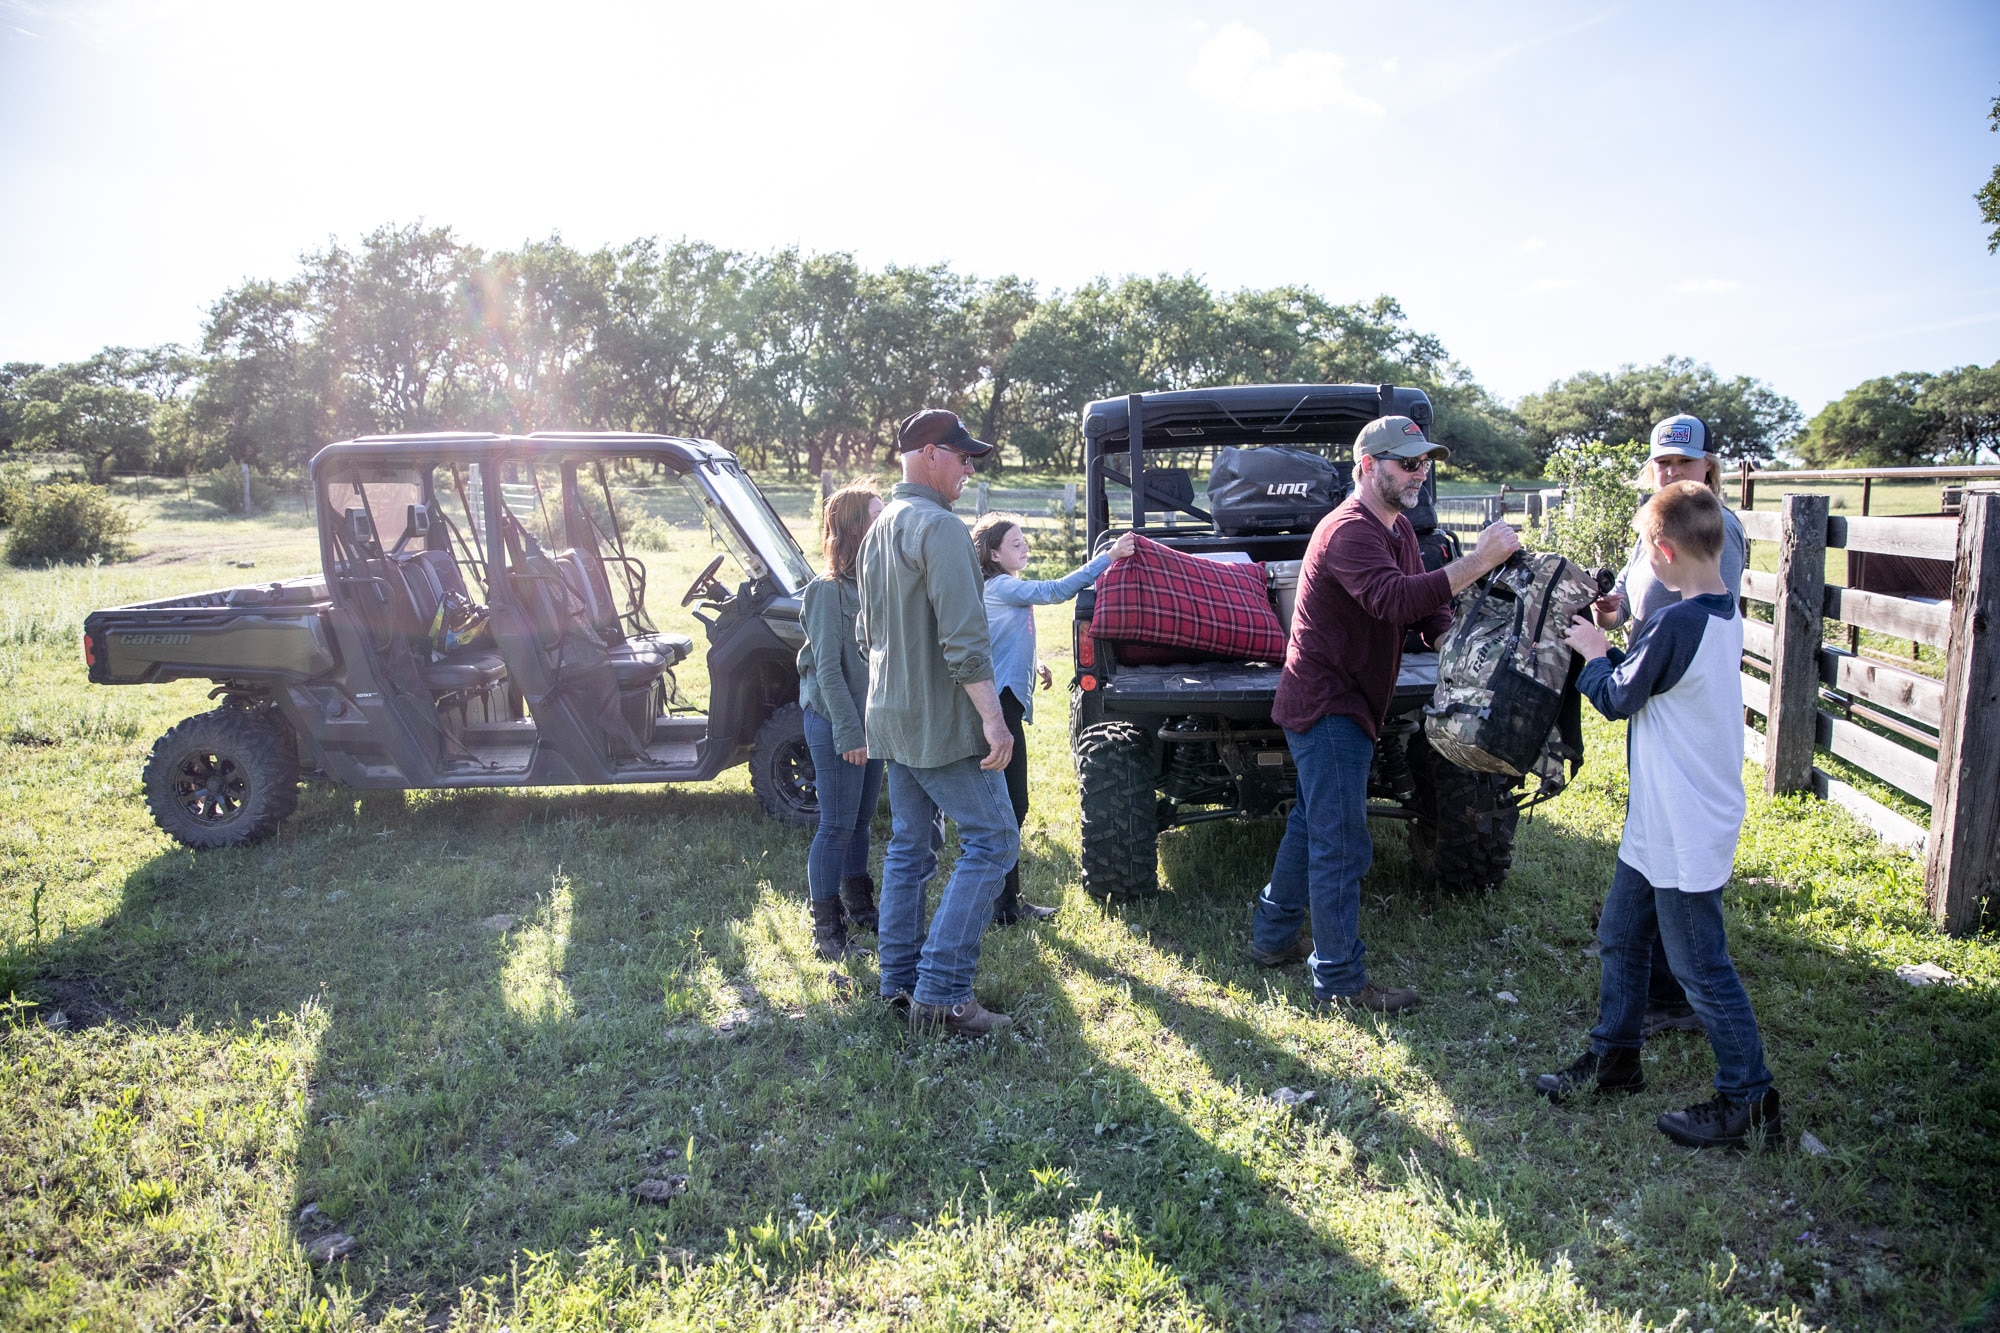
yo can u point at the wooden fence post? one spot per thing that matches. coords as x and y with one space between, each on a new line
1800 614
826 484
1959 868
979 501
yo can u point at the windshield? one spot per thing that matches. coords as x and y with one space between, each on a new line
746 524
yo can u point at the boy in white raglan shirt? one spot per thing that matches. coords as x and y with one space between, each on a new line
1677 682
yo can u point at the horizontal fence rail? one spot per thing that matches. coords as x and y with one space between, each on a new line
1935 740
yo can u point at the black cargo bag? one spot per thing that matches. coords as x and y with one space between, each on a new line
1272 489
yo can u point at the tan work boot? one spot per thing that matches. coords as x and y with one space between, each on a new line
964 1019
1381 999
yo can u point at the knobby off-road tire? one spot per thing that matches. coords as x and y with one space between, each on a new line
781 769
224 778
1462 839
1115 771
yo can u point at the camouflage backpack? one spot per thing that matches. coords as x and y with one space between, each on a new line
1503 668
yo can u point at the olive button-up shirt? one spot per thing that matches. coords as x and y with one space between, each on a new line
923 626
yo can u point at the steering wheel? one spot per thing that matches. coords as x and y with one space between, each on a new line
706 585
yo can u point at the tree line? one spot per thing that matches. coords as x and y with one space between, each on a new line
798 362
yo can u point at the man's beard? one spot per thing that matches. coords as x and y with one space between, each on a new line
1389 489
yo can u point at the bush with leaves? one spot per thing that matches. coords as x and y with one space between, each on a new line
1592 524
13 493
223 488
67 521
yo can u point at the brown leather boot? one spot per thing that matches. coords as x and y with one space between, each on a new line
829 929
964 1019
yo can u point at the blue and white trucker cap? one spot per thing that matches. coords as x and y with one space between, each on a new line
1680 437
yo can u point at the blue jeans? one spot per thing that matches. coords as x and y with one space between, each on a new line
937 967
847 797
1636 914
1326 851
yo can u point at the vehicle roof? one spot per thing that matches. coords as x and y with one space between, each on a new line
1255 413
472 446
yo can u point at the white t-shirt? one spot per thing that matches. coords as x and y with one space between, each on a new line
1678 684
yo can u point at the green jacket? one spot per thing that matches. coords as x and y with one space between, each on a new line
833 675
923 626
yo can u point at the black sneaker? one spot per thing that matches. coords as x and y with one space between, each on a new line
1721 1123
1617 1071
1673 1018
1297 951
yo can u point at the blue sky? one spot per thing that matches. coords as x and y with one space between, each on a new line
1783 191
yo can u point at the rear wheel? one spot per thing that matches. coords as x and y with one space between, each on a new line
1462 838
781 769
1116 768
224 778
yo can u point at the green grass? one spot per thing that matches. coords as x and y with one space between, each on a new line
464 1025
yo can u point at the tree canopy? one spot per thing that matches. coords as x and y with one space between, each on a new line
1988 197
793 360
1746 418
1908 420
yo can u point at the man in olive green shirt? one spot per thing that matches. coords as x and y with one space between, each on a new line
934 714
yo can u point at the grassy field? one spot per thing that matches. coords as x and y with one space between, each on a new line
461 1028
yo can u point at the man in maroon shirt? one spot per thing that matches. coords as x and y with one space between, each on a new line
1361 585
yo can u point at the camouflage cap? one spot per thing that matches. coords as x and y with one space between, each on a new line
1396 437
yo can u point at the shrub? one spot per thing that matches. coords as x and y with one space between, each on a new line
13 493
1592 524
223 488
67 521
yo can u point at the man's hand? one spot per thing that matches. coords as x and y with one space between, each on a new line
1607 609
1587 639
858 755
999 742
1497 542
1048 676
1124 546
985 697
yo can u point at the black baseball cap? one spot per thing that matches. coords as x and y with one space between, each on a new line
936 426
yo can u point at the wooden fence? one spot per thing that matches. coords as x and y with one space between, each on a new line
1937 740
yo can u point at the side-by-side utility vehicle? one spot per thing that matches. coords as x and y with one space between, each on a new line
481 619
1161 746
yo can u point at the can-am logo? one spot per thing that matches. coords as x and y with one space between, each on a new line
1298 488
153 640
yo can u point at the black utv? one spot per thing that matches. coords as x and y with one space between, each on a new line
1158 746
482 619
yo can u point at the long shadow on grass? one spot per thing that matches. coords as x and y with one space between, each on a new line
1907 1084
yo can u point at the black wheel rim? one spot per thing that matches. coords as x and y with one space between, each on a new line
210 788
792 775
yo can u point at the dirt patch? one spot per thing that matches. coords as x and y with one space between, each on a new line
76 1002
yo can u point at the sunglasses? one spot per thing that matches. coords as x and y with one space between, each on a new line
1409 466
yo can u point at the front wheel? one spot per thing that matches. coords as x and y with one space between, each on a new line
1462 838
781 769
1115 772
224 778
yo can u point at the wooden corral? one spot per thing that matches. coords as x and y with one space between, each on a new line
1937 740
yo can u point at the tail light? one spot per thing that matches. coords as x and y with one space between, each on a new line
1086 647
1086 682
89 651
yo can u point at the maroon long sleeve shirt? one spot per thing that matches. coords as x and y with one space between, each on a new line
1360 587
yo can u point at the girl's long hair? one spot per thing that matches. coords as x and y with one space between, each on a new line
843 523
987 534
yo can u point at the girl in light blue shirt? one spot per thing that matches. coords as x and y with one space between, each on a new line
1011 600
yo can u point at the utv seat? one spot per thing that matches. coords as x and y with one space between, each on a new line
635 658
426 577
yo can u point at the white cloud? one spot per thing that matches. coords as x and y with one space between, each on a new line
1237 68
1530 244
1553 284
1704 285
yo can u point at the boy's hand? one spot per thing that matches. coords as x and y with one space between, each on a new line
1124 546
1587 639
1048 676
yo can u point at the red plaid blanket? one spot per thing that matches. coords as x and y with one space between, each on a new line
1165 600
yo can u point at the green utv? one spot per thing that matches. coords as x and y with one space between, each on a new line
482 621
1161 745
